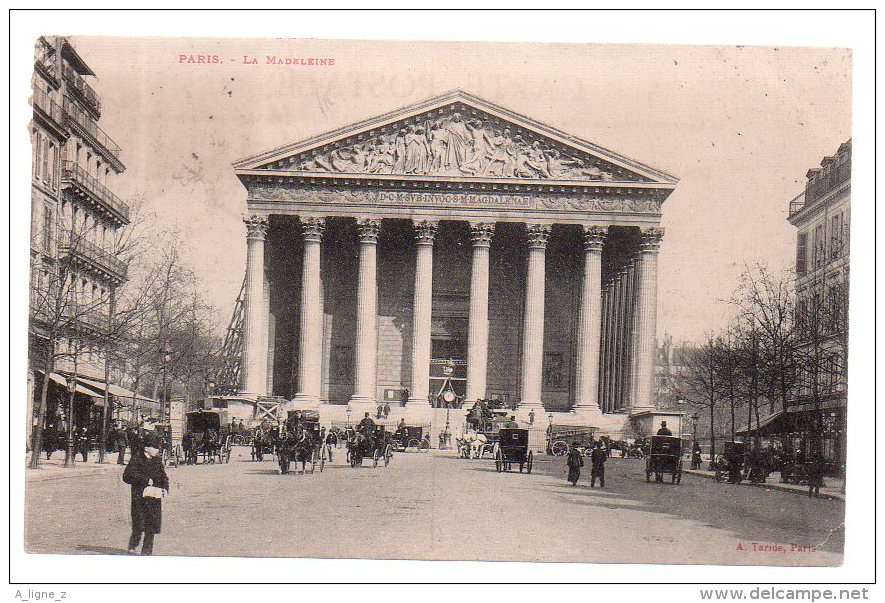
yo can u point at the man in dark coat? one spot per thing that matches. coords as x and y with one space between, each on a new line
574 462
597 465
145 470
814 471
664 430
82 440
120 444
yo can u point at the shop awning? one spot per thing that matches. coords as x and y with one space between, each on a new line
114 390
81 389
780 423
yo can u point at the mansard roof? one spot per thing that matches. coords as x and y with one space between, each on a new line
454 135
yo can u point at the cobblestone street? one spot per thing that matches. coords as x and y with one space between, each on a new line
435 506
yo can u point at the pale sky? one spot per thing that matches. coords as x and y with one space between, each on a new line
739 126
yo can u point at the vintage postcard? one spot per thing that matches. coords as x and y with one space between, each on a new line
438 300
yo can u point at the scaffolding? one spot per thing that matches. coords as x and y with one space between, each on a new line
227 379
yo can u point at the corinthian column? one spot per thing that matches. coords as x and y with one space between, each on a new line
310 345
254 369
590 322
646 318
367 312
425 231
478 324
533 325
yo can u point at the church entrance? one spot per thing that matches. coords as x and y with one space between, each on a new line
448 361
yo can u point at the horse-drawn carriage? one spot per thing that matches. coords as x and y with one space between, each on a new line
202 437
485 421
560 437
665 456
730 466
513 447
375 444
407 437
300 441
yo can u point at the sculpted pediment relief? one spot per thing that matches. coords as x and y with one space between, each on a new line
460 136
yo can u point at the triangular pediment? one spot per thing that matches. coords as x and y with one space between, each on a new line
454 135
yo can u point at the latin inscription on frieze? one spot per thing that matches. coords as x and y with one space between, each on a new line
287 193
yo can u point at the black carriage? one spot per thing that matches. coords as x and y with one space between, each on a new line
376 445
513 447
665 456
202 436
407 437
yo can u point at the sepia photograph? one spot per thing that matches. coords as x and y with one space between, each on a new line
437 300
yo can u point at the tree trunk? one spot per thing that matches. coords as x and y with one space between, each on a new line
712 436
37 432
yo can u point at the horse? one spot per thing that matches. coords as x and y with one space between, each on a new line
303 447
358 446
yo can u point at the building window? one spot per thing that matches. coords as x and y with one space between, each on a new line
801 252
38 155
46 174
47 229
819 246
836 236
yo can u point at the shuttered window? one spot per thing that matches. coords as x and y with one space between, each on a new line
801 252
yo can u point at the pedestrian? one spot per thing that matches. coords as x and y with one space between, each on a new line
696 456
815 475
82 440
331 442
574 462
120 444
149 484
531 417
597 465
386 410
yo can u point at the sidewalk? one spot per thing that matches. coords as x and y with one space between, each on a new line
55 467
831 489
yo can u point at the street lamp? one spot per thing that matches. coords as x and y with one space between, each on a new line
349 410
549 432
69 450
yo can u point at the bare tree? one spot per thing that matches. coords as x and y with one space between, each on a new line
699 385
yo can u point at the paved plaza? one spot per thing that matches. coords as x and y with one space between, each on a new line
435 506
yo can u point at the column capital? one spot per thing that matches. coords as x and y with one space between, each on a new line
368 229
538 234
651 239
256 226
425 231
313 228
481 233
594 237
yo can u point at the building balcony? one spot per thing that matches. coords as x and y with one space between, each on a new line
49 108
74 175
797 204
83 90
88 128
87 251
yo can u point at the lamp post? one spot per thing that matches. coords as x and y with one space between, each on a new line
349 410
447 434
69 449
549 432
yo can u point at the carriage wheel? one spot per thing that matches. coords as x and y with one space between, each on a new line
673 478
679 476
499 461
413 443
529 462
648 476
322 463
388 453
375 456
559 448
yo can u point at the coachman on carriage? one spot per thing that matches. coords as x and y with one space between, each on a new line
371 441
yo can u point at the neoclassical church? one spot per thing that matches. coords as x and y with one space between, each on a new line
450 251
